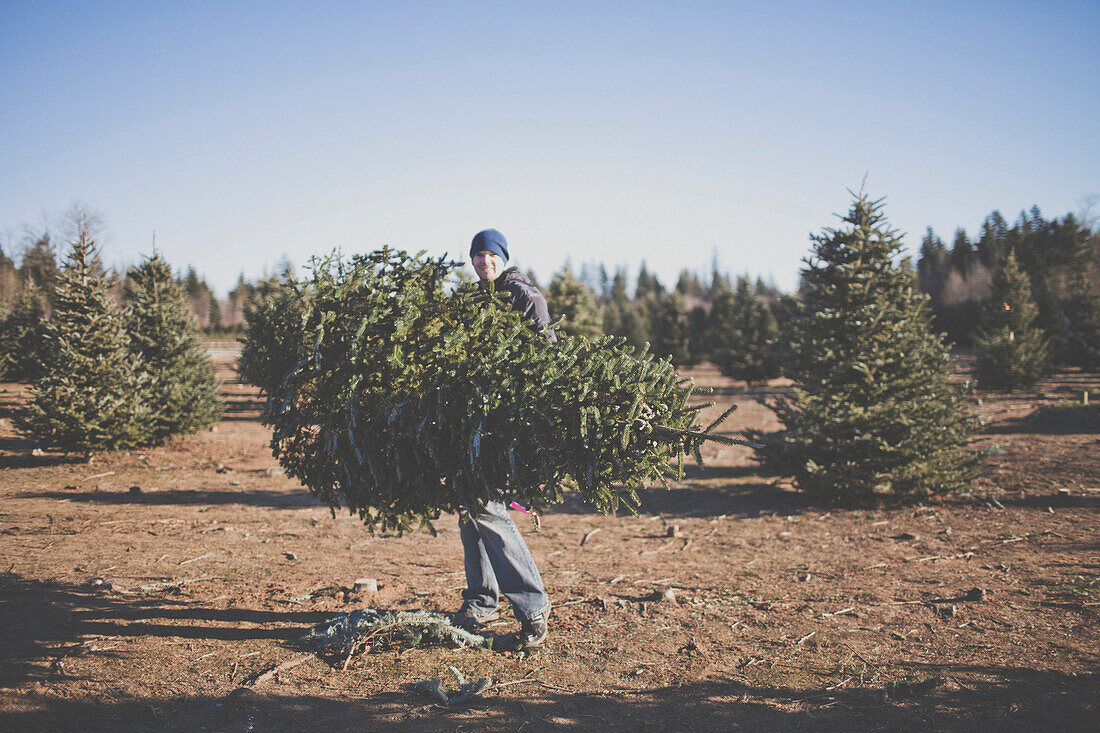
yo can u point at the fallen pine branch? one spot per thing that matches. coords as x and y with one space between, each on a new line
281 668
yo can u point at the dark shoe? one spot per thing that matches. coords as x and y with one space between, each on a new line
471 618
532 631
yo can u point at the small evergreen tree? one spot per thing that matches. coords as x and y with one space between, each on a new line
1011 351
182 390
571 300
689 286
215 323
10 286
1082 312
742 331
698 321
22 336
91 393
872 412
671 329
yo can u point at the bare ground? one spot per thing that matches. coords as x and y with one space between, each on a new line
162 607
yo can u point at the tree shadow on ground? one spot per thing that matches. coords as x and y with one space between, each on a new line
1054 501
935 697
732 500
17 452
270 498
42 620
1037 425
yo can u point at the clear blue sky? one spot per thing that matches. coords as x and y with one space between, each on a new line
244 132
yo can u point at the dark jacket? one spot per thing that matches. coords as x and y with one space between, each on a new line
525 297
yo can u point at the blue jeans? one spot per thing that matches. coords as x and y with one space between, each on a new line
498 561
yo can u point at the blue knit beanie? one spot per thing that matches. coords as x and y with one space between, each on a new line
490 240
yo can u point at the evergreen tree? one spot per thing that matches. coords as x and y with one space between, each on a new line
648 286
407 401
91 394
1082 307
1011 351
671 330
962 253
214 311
933 267
635 326
742 335
993 243
235 303
788 310
22 336
571 300
719 281
9 284
39 265
689 286
698 323
1083 316
872 412
623 317
182 390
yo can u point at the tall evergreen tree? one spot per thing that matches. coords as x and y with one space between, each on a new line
993 242
571 300
962 253
1011 351
933 266
872 412
182 391
742 335
91 394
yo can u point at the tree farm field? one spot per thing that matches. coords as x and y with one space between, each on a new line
168 589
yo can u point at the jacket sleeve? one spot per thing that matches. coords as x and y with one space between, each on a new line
527 299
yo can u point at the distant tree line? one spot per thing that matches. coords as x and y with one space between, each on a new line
1046 269
739 324
735 324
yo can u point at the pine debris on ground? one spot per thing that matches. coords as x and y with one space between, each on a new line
347 634
467 690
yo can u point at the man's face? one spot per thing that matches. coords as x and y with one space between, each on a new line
488 265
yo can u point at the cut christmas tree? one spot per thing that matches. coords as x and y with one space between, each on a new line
407 400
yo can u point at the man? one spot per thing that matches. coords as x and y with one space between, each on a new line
496 557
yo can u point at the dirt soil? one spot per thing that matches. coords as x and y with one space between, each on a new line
156 591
